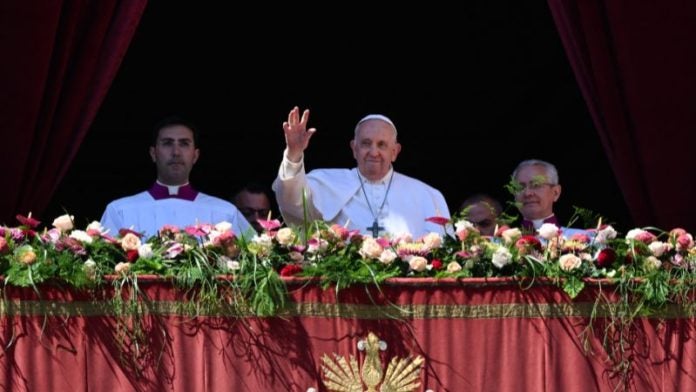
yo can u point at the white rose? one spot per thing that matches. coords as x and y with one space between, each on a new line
605 234
285 236
501 257
418 263
130 241
145 251
96 226
90 268
122 268
263 240
462 225
223 226
81 236
569 262
511 235
632 234
370 249
64 222
233 265
453 267
224 262
657 248
387 256
548 231
432 240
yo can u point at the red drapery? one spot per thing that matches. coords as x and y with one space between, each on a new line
59 59
634 63
476 334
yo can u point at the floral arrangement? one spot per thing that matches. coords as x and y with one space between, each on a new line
241 274
660 266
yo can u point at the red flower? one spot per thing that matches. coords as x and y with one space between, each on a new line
28 221
605 257
132 255
123 233
528 241
290 270
437 264
438 220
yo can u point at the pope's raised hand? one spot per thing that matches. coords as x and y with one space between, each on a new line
296 133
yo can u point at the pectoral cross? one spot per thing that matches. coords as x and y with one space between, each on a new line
375 228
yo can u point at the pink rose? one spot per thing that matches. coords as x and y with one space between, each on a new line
684 241
569 262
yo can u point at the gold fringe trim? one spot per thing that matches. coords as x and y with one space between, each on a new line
341 310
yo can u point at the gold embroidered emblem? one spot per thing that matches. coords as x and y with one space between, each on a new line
344 375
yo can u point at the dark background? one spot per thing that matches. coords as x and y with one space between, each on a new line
472 93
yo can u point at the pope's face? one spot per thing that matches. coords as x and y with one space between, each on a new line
375 148
174 154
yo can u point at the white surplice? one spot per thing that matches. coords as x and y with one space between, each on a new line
145 214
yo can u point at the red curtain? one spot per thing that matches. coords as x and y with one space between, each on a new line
634 63
59 59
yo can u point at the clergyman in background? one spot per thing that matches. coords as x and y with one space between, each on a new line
253 200
483 211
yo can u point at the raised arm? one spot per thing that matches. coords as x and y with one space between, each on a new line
296 134
291 183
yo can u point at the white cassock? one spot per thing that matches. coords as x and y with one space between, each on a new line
147 215
335 195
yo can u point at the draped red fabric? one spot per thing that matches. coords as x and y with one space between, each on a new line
475 334
59 59
634 63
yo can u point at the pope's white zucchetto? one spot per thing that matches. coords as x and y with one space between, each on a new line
376 117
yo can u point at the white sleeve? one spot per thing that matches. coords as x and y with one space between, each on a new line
289 187
112 220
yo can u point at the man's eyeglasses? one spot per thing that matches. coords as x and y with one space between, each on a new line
532 186
261 212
